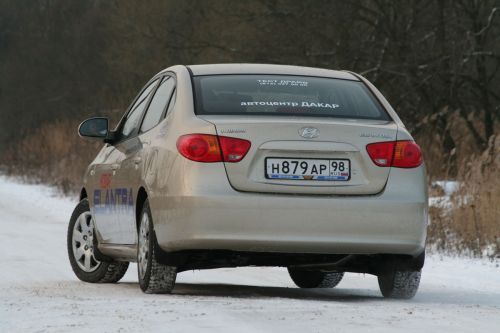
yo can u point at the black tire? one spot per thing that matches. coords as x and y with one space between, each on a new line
154 277
103 272
399 284
315 279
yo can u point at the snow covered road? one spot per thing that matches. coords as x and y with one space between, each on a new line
39 293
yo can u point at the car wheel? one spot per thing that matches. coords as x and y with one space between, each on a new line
315 279
399 284
81 252
154 277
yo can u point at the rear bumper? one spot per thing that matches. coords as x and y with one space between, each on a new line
217 217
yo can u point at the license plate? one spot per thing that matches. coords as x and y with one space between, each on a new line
308 169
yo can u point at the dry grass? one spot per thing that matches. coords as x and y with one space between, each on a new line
472 222
52 153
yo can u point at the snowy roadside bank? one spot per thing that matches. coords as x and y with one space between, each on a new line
38 291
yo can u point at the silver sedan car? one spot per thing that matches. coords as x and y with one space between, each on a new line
232 165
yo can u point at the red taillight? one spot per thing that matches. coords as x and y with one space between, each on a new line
381 153
399 154
199 147
233 149
211 148
407 154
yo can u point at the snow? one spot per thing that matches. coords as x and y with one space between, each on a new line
449 187
39 293
444 201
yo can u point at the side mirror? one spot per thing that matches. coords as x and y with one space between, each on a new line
94 128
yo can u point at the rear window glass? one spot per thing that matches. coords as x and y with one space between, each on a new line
285 95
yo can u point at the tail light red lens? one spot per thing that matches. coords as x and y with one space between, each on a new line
407 154
199 147
399 154
381 153
209 148
233 149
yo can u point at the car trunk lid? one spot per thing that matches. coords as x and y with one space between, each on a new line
274 137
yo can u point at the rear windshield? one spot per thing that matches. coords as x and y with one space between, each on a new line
285 95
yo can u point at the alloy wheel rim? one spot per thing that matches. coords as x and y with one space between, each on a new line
83 243
143 248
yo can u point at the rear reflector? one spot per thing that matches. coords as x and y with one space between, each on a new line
209 148
399 154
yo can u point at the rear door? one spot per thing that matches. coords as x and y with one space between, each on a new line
308 134
119 177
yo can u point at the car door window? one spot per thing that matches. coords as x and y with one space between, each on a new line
172 102
135 115
158 104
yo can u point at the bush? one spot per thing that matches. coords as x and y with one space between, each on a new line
471 223
53 154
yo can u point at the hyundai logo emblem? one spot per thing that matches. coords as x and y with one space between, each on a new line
309 132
